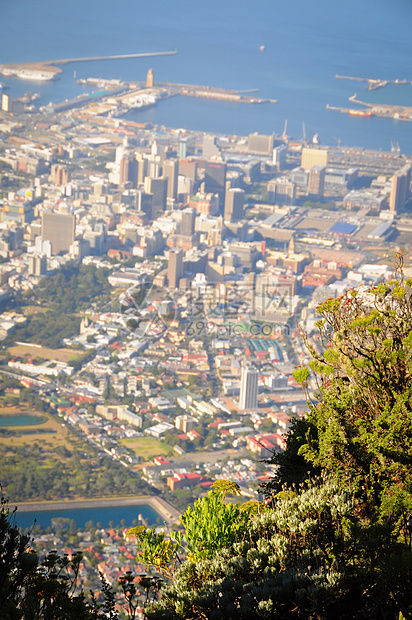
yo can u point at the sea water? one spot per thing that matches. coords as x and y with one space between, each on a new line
218 43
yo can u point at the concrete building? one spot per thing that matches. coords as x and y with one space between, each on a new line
175 268
171 173
188 222
400 186
316 182
59 229
37 265
209 148
185 423
248 388
158 188
215 177
234 204
260 144
313 157
281 191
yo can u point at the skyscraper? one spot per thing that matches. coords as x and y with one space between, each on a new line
59 229
158 188
248 388
313 157
401 181
234 203
215 177
171 172
128 169
188 222
316 183
175 268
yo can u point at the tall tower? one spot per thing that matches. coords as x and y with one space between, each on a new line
158 188
188 221
171 172
149 79
401 181
316 184
59 229
248 388
175 268
234 203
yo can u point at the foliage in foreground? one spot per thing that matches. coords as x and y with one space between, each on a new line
338 545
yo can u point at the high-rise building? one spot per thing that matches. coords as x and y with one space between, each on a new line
37 265
313 157
316 182
171 172
60 175
281 191
188 168
260 144
210 149
59 229
158 188
175 268
182 148
248 388
188 222
400 189
128 169
234 204
215 178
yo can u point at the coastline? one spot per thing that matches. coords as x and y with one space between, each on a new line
159 505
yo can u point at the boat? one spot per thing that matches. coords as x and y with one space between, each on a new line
360 113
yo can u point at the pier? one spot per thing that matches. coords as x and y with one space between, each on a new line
372 83
48 69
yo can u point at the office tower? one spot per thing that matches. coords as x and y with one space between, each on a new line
182 148
37 265
60 175
158 188
128 169
281 191
149 79
313 157
215 178
188 168
210 149
59 229
248 388
142 168
188 222
175 268
400 185
260 144
316 182
279 156
234 204
171 172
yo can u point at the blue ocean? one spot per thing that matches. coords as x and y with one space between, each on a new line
306 43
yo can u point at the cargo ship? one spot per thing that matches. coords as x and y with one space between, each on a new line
360 112
28 74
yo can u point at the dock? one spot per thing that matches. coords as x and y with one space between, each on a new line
373 83
48 69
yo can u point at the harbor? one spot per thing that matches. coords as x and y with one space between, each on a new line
372 83
116 98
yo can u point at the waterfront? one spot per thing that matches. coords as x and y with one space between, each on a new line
219 45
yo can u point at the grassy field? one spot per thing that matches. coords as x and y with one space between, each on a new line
61 355
147 447
49 434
